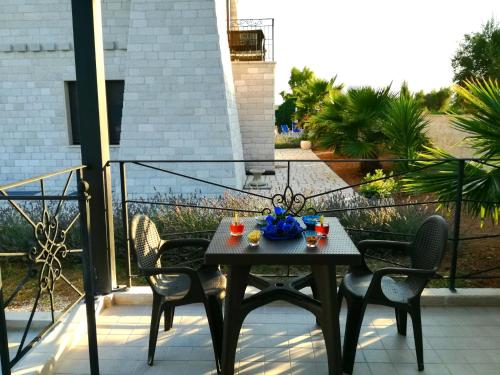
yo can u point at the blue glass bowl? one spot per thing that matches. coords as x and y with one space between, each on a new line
285 236
310 221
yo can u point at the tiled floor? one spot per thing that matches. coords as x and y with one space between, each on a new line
280 339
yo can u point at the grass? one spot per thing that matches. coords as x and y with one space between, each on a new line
286 141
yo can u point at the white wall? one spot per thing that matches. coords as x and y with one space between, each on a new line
36 57
179 94
254 81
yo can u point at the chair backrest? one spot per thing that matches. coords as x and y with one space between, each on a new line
146 241
284 128
429 243
427 250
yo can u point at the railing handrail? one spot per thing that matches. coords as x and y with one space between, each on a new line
253 19
293 160
41 177
428 163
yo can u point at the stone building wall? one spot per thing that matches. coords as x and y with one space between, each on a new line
179 100
36 58
254 81
179 94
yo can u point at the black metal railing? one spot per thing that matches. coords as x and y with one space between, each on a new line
334 202
251 39
50 215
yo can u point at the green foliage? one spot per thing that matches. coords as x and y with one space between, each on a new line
284 113
404 127
283 141
483 127
405 90
378 185
310 97
308 93
478 55
299 78
481 188
438 100
401 219
352 122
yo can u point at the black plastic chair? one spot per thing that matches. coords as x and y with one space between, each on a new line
175 286
360 286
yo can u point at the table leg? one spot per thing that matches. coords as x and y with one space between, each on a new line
235 292
326 283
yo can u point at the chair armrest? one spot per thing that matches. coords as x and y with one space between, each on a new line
168 271
370 244
402 271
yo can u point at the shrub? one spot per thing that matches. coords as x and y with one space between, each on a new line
287 141
402 222
438 101
380 187
285 112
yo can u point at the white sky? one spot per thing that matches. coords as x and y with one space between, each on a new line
370 42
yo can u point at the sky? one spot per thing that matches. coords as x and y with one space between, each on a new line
371 42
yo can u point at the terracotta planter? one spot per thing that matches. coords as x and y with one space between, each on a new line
305 145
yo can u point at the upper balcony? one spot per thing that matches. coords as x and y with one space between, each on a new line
251 39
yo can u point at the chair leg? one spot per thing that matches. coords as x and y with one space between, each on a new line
213 307
169 312
417 332
401 318
153 331
315 294
355 313
340 297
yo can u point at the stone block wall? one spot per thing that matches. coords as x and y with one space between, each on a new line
36 58
445 136
254 82
179 96
179 101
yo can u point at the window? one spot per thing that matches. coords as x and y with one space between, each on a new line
114 101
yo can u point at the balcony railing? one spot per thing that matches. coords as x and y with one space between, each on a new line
251 39
44 261
329 202
52 222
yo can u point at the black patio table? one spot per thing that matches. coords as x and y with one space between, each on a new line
238 256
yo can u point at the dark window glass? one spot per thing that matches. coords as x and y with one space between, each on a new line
114 101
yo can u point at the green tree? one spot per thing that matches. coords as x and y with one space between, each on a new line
299 78
308 92
310 96
481 188
352 123
404 126
438 100
285 111
478 55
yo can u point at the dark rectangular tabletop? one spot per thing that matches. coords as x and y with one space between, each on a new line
226 249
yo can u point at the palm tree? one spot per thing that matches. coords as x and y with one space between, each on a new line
352 123
404 127
481 187
310 96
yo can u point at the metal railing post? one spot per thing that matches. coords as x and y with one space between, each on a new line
272 31
4 343
456 224
88 268
125 221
